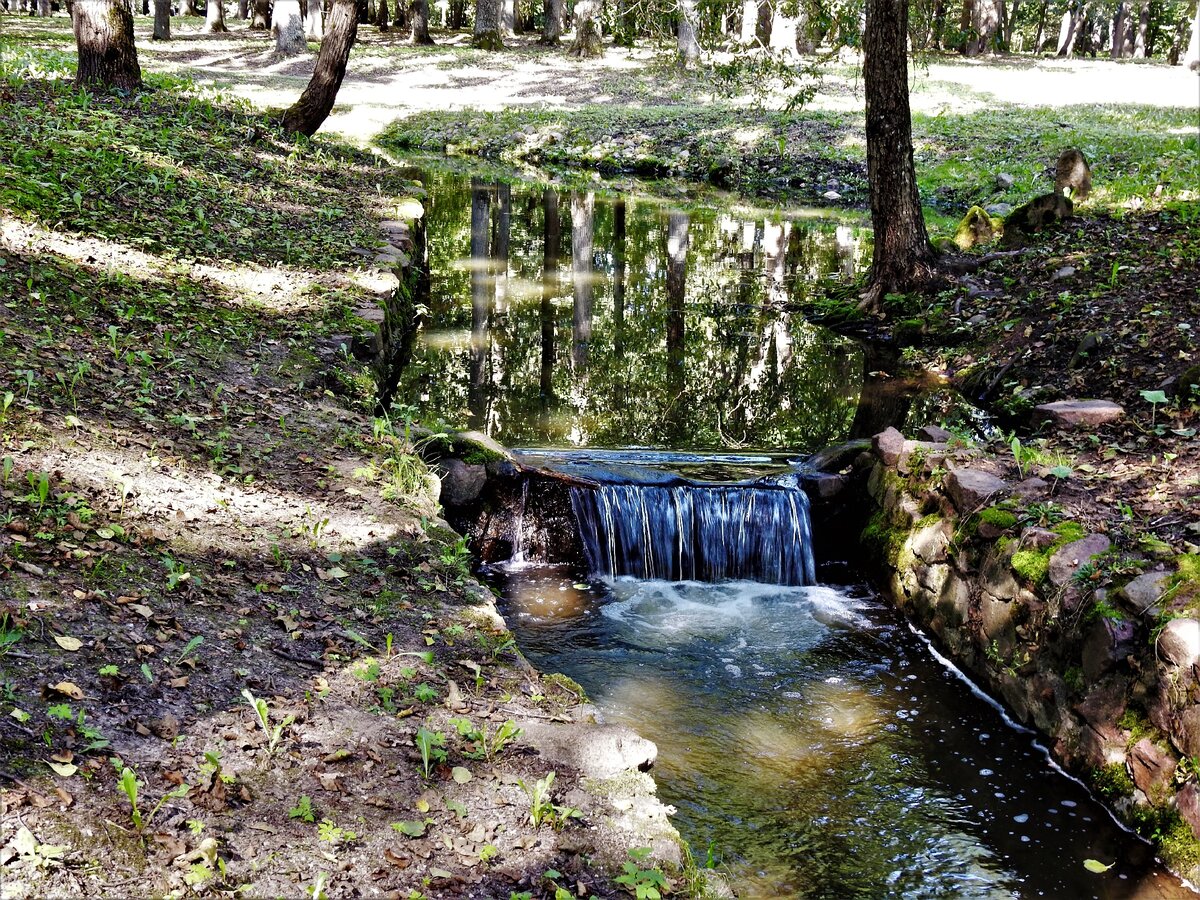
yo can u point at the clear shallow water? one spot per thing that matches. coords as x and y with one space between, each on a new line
814 740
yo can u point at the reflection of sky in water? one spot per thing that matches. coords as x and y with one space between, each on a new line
669 331
814 739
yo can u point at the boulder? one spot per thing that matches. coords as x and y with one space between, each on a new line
1101 745
888 446
1107 644
1072 173
1088 349
1036 538
462 483
1187 801
970 488
934 434
1080 413
596 751
1185 735
1000 210
1151 767
1105 704
1035 215
837 457
1066 560
1179 643
1031 488
825 485
1144 592
976 227
1004 181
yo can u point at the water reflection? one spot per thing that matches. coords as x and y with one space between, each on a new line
575 318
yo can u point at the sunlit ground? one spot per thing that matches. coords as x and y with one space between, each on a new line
388 79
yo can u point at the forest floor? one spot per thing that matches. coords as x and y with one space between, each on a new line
239 651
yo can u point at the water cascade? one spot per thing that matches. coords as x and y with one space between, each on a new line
693 532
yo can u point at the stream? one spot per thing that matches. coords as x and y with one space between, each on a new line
811 742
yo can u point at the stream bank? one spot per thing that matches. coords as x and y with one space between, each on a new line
1087 640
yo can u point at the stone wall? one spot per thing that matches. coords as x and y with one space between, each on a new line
1097 647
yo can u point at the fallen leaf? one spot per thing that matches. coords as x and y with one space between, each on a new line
66 770
63 756
68 689
66 798
400 862
1094 865
142 610
461 775
69 644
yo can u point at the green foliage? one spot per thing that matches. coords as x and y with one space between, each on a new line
1112 781
128 784
303 810
273 733
431 745
644 884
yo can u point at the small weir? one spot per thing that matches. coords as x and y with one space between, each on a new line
697 532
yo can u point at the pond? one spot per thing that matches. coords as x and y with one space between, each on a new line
813 744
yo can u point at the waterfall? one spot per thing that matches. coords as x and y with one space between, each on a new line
693 532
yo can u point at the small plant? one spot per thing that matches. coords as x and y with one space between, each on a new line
541 807
329 832
645 884
431 744
303 810
273 732
425 693
1154 398
189 649
177 573
129 786
10 634
40 483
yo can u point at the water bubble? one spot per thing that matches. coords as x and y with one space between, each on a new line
1022 818
986 772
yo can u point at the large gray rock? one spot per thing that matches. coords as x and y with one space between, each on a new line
462 483
970 488
596 751
888 446
1080 413
1108 643
1066 560
1144 592
1179 643
1186 733
834 459
1188 803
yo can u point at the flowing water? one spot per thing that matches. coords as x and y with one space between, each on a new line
807 736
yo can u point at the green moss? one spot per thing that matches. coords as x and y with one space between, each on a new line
1138 726
1031 565
1073 678
931 519
883 540
1068 532
998 518
1183 589
1112 781
1178 843
568 684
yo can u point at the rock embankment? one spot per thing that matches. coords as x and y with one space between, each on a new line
1008 585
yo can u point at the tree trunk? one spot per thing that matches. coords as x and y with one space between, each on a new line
587 30
262 15
582 209
1040 38
1072 25
626 23
481 302
383 16
762 26
1120 21
44 9
214 18
619 228
746 36
551 248
903 255
677 251
552 27
420 22
689 46
243 9
487 25
939 23
314 23
188 8
508 18
501 240
985 19
306 116
458 14
1140 49
162 20
1191 59
289 29
104 38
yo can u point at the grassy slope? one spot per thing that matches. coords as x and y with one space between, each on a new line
194 502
